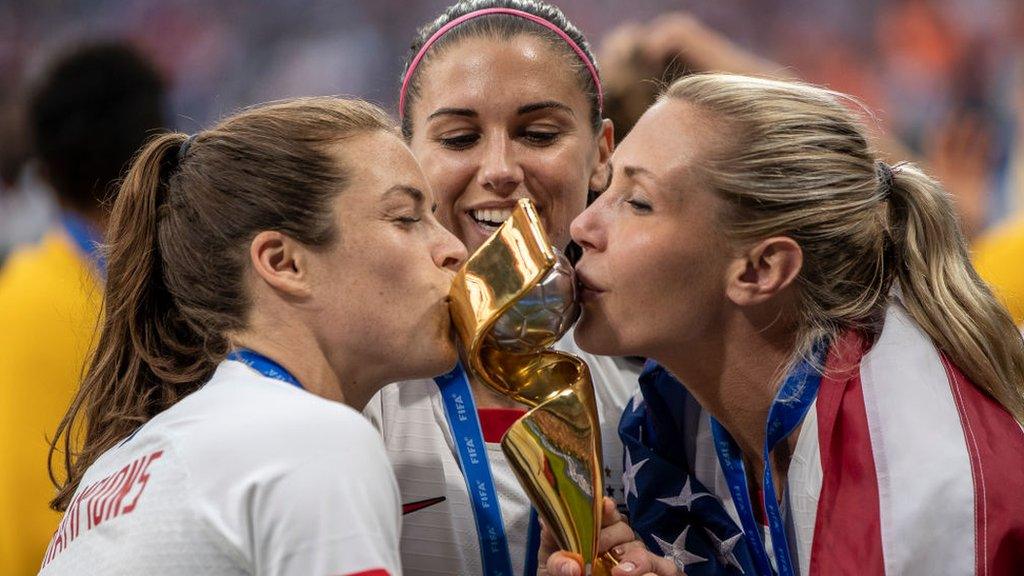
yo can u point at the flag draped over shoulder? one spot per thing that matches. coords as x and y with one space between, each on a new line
915 470
669 507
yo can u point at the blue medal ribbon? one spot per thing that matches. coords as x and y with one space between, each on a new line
264 366
87 239
532 544
464 423
787 411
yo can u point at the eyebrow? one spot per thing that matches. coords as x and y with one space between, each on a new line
415 193
525 109
449 111
634 171
545 105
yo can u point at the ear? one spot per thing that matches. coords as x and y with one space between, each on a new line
281 262
764 271
601 175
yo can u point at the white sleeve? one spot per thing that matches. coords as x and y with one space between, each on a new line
336 513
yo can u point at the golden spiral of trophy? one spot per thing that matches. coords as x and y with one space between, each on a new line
512 300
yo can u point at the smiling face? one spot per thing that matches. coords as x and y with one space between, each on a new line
381 291
655 258
499 120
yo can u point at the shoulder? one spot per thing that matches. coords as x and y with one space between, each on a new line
46 277
997 256
53 257
1005 239
261 420
411 406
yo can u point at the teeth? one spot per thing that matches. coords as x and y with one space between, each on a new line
491 216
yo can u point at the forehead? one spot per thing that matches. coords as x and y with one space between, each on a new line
379 160
670 139
486 73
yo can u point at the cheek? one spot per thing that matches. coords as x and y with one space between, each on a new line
449 175
671 289
560 182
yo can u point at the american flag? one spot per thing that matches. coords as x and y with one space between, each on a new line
912 470
674 513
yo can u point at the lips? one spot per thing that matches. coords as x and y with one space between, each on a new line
491 217
587 290
483 219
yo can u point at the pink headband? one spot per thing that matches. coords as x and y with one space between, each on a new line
444 30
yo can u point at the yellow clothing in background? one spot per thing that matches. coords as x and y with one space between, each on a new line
50 296
999 258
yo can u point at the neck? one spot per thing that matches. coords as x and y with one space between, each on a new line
735 378
297 351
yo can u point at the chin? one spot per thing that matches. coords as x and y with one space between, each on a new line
449 357
441 361
596 337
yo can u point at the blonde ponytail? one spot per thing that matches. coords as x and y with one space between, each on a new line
945 295
801 166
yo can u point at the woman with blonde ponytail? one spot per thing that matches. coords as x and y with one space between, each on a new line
265 278
833 390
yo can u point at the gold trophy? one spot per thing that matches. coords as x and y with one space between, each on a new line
512 300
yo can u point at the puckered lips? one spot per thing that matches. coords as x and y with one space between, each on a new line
586 288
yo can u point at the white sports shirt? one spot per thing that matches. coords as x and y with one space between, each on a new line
248 475
441 537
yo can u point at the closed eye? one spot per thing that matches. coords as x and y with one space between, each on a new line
639 205
538 138
459 142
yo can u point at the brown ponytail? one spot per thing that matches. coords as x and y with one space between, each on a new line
177 253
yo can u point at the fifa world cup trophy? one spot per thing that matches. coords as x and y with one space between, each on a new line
511 301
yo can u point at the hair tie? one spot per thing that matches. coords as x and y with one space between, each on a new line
185 145
511 12
885 178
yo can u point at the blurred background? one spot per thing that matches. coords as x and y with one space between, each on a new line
943 79
944 76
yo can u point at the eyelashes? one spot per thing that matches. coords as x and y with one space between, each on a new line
535 138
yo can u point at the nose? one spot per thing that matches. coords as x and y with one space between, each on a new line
499 171
450 252
587 229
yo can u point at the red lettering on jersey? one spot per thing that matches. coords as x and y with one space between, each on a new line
143 479
102 501
99 512
115 504
90 506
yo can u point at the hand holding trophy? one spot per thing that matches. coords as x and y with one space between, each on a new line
512 300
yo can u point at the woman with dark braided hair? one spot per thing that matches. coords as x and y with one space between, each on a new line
265 278
500 100
833 389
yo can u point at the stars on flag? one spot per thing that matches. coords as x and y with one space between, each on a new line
629 471
724 549
677 551
685 498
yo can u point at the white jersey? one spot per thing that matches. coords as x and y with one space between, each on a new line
248 475
440 537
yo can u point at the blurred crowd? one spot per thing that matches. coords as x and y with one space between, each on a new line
943 79
944 76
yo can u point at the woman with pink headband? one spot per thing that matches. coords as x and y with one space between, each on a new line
500 100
